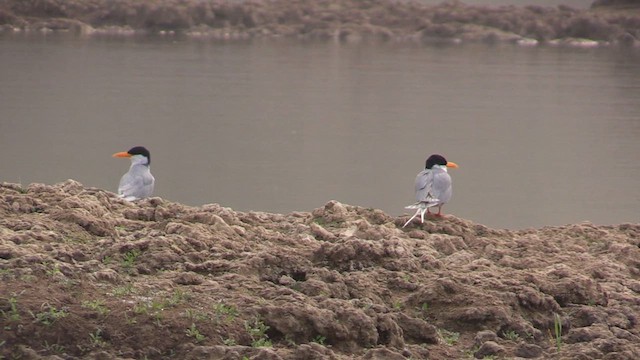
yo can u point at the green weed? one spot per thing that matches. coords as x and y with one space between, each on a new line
557 328
48 317
129 258
196 315
178 297
229 312
54 271
123 290
194 333
229 342
97 306
319 339
53 348
12 314
96 339
449 337
511 335
257 330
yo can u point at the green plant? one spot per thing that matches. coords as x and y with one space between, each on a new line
97 306
449 337
397 305
228 311
4 272
129 258
557 328
257 330
424 307
130 320
49 316
196 315
470 353
511 335
96 339
140 308
55 348
319 339
12 314
194 333
123 290
158 305
229 342
177 297
54 270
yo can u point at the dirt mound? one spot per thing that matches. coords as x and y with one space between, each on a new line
88 275
340 20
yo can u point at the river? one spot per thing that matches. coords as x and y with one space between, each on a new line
543 135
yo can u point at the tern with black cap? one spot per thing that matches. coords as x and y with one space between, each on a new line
138 182
432 186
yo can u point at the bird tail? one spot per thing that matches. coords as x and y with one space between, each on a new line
430 202
421 207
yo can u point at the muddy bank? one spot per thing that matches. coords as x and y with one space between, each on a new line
339 20
85 274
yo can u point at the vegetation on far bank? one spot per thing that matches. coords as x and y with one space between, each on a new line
326 19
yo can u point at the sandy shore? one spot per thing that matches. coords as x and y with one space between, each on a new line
337 20
87 275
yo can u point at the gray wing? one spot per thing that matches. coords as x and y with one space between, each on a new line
441 185
424 183
136 184
129 184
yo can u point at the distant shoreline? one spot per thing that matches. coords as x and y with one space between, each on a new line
343 21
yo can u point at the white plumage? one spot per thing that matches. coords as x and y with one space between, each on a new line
432 187
138 182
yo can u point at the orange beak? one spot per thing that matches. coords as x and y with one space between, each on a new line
452 165
122 154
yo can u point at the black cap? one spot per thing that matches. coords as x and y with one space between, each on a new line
435 159
140 150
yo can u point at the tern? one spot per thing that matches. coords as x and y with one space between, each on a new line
138 182
433 186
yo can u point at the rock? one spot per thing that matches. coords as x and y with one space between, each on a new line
313 351
589 333
85 270
383 354
528 351
488 348
484 336
188 278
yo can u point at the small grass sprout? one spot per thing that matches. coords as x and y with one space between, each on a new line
557 329
319 339
194 333
257 330
129 258
97 306
13 314
96 339
511 335
449 337
49 316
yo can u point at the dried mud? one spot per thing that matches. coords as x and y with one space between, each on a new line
85 274
451 22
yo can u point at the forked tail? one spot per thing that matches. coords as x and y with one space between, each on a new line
422 207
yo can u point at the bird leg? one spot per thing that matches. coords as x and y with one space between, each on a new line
439 214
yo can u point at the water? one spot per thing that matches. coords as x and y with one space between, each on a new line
543 136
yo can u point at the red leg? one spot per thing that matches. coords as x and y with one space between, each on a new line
439 214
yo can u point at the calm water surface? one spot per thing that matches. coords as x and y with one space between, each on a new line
543 136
